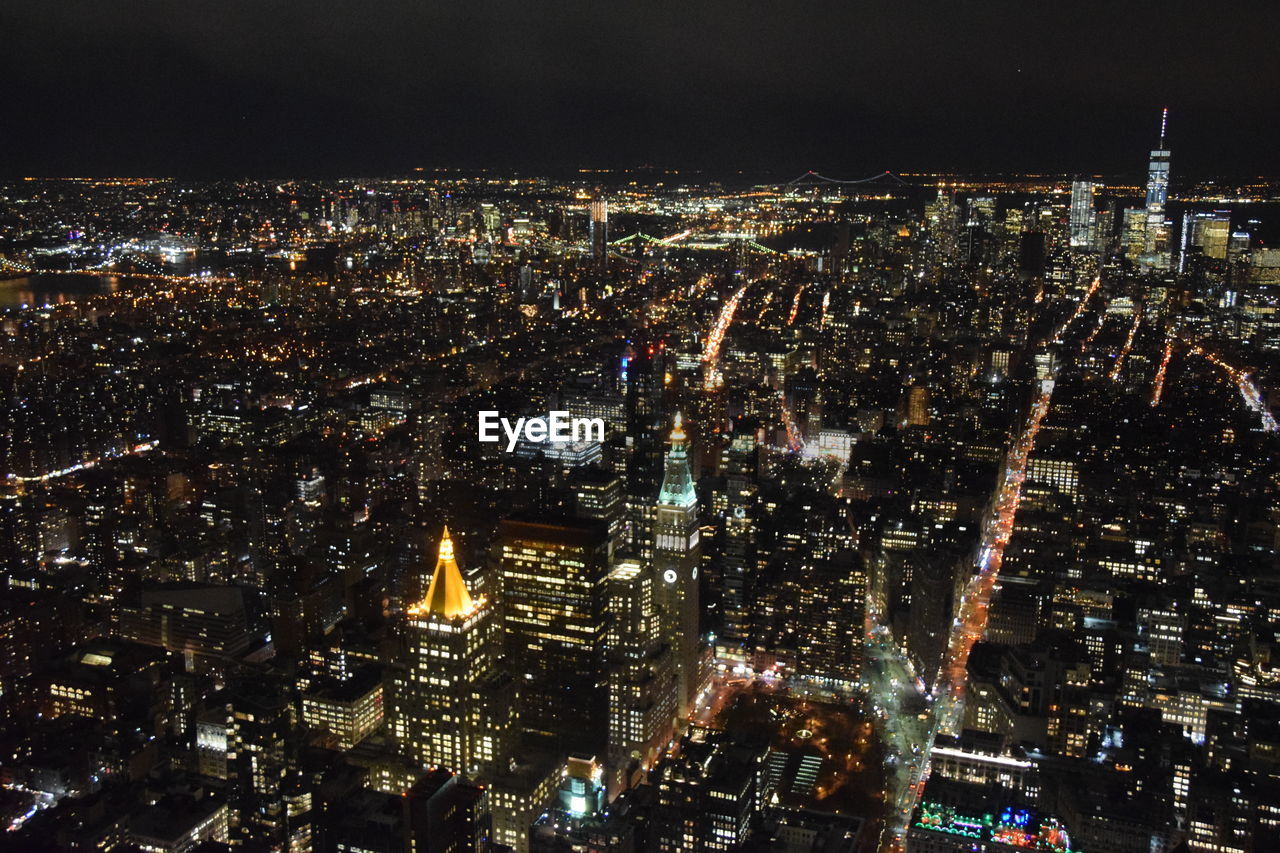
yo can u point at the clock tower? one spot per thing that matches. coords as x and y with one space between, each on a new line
676 555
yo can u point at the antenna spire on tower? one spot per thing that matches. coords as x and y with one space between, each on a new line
1164 123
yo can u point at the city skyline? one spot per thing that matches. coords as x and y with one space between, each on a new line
758 501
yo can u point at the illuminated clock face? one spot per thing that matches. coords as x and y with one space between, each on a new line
669 576
694 574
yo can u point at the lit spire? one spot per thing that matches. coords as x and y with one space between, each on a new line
677 428
677 483
447 596
1164 124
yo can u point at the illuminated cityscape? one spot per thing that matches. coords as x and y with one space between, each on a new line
759 501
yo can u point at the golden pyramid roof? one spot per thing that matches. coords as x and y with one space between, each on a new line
447 596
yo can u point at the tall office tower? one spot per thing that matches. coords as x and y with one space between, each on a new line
1156 244
553 591
740 465
940 219
976 235
933 581
491 218
1158 171
1081 217
984 207
600 232
813 416
1033 253
449 705
598 494
842 242
676 553
1238 244
1102 228
1208 231
1187 241
1214 234
1016 220
642 375
1133 232
830 618
642 682
1011 234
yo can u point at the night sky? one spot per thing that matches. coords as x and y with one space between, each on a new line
849 88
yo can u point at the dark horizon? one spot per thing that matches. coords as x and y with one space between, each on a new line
647 175
206 91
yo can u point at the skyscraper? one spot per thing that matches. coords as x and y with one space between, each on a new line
600 232
449 705
676 553
642 686
940 217
1158 171
553 588
1208 231
829 618
599 495
1156 245
932 606
643 383
1133 232
1081 218
740 466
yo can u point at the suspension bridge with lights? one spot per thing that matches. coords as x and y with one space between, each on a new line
689 240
